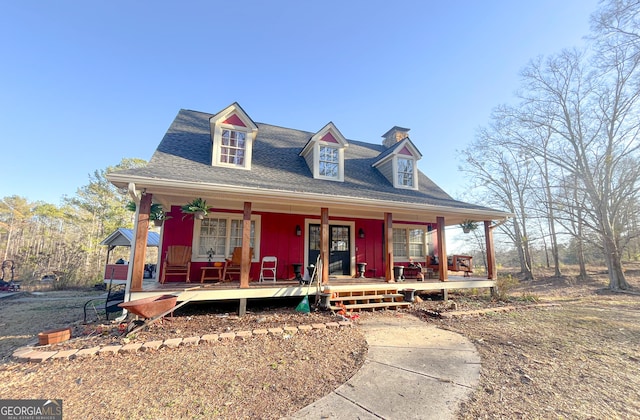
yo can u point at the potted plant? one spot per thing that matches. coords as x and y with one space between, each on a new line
468 225
198 207
156 213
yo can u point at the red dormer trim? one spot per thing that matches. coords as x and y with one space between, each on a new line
329 138
234 120
405 151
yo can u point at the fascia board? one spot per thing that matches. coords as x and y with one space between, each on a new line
187 188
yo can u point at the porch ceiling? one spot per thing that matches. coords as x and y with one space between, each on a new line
170 193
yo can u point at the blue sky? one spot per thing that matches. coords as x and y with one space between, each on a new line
85 84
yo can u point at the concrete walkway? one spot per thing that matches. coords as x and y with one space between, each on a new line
413 371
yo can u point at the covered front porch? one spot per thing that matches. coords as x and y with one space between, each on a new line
300 233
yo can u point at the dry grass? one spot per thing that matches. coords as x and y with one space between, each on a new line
265 377
579 360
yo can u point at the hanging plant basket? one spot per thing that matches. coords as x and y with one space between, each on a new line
156 213
468 225
198 208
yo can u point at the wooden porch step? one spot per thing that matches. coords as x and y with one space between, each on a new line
359 306
367 297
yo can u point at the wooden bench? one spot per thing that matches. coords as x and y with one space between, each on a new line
462 263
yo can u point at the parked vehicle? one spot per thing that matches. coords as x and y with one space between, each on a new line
49 278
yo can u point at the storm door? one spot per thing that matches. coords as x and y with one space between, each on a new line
339 248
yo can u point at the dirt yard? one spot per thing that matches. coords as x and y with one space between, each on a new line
576 360
579 360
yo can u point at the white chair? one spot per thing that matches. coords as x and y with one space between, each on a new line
268 268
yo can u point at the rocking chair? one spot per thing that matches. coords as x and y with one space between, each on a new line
233 263
177 262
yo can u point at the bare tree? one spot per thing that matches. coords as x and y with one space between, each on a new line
505 176
594 132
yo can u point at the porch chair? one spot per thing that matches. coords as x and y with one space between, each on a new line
233 263
177 262
268 268
115 296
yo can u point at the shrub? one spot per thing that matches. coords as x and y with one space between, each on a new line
504 285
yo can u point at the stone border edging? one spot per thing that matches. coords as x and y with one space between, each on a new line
33 354
459 314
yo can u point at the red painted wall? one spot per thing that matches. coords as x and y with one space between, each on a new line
118 271
278 238
370 249
177 230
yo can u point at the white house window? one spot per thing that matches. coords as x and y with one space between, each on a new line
232 137
213 234
233 147
235 238
405 172
328 162
409 242
221 233
324 154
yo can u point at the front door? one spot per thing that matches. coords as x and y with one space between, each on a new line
339 248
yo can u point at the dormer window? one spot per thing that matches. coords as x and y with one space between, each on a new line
328 162
232 135
399 163
233 147
405 172
324 153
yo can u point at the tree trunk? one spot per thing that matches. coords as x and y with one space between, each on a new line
520 245
617 280
581 261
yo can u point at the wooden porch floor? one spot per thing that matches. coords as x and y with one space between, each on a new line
212 291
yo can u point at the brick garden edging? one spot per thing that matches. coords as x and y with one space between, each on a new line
34 354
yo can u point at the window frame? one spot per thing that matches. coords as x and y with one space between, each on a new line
218 131
230 218
230 147
403 175
335 153
407 243
397 172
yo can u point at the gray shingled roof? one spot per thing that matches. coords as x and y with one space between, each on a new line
185 155
392 149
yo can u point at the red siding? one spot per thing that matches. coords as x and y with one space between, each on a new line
370 249
278 238
118 271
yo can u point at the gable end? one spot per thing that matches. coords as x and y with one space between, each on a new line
324 153
399 164
232 137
